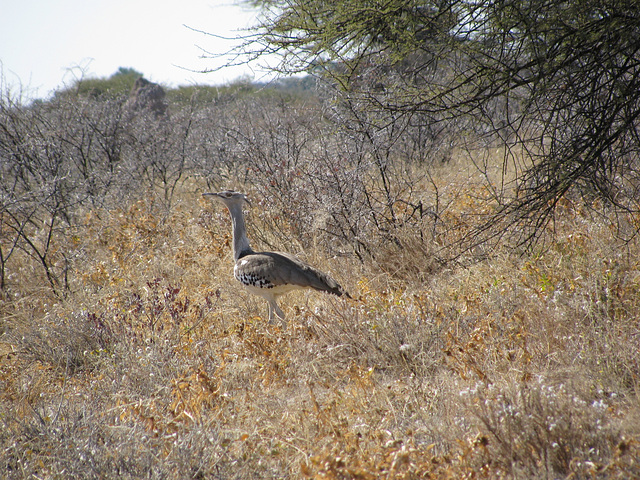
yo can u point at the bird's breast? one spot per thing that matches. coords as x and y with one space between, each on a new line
250 279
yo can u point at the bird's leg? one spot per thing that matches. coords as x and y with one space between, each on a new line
279 312
274 308
270 312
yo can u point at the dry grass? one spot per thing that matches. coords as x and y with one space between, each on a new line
158 366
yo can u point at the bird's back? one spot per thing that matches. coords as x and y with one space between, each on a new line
282 272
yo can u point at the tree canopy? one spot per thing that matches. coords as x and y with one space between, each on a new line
118 84
557 81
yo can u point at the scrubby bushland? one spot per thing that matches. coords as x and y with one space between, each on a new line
63 157
553 83
158 366
78 152
126 349
347 188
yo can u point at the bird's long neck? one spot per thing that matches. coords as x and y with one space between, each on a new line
241 245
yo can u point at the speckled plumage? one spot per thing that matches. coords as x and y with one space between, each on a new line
270 274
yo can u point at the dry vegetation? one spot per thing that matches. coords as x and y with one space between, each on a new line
155 364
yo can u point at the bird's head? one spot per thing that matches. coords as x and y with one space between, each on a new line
229 197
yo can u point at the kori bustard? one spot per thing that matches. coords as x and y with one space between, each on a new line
269 274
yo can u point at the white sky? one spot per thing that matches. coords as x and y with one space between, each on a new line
46 44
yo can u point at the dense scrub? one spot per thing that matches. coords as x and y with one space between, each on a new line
127 350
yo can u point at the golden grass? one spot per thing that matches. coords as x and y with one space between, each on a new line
157 365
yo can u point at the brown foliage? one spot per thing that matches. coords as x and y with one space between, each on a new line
163 366
148 360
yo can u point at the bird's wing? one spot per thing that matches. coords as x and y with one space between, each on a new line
284 269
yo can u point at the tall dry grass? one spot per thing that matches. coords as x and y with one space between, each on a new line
157 365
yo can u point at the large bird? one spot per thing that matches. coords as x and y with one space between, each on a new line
269 274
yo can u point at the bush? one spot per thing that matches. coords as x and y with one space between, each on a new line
149 360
